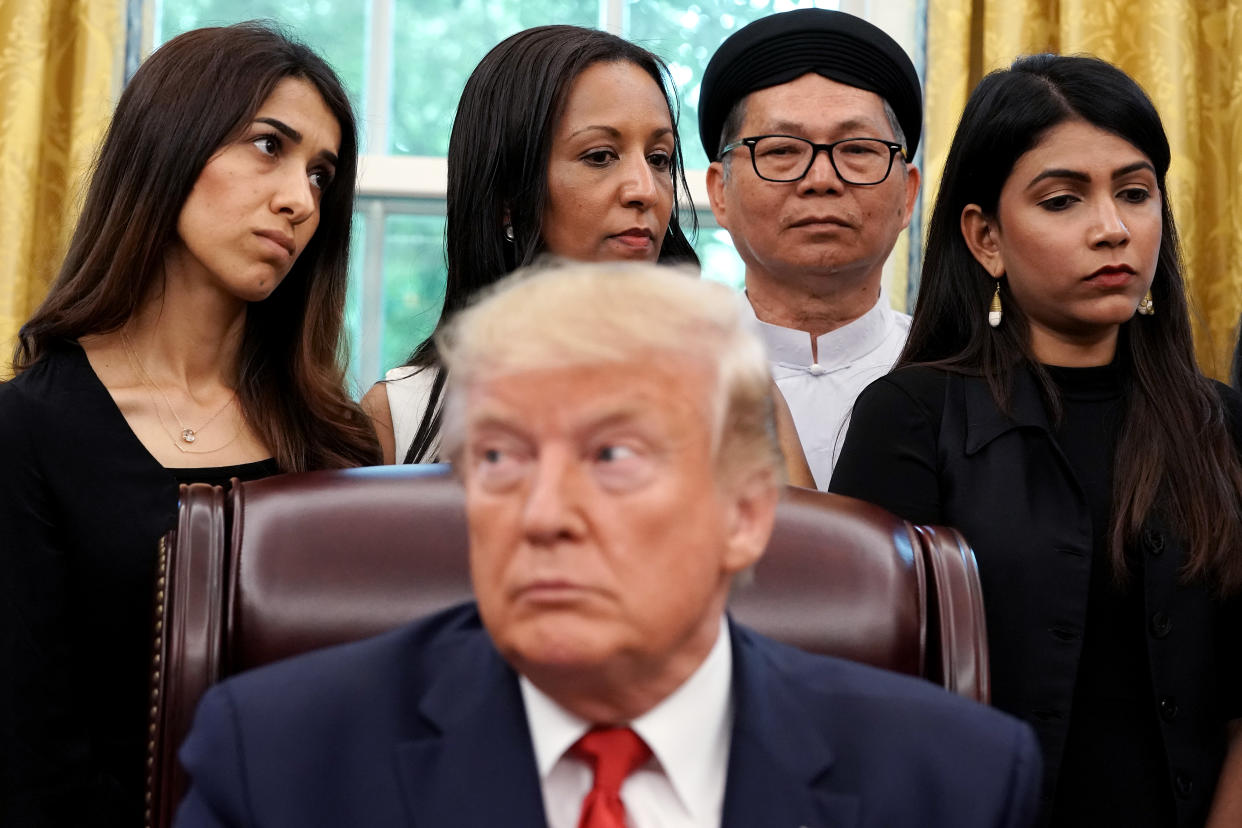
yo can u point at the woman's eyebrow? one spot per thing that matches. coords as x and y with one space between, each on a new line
1075 175
610 131
293 135
1135 167
613 132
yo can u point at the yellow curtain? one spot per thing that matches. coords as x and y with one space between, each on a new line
1187 54
60 71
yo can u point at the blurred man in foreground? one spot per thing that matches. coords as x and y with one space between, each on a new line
612 428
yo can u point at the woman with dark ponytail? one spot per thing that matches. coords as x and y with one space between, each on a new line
1048 404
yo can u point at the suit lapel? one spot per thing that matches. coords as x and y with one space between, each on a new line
778 762
475 764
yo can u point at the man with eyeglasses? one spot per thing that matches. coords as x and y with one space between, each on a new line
812 117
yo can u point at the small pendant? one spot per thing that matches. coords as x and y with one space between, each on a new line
188 435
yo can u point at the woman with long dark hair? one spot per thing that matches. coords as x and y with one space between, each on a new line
193 335
564 144
1048 404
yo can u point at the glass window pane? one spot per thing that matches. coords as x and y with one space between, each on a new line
718 258
337 31
686 35
414 275
353 303
413 283
437 44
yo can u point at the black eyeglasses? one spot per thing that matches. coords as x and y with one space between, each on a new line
785 158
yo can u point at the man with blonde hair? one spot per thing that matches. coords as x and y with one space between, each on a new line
612 430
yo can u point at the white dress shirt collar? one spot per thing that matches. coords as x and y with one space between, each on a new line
689 733
836 349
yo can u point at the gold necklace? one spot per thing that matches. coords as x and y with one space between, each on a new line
187 436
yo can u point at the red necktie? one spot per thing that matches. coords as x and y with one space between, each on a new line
613 754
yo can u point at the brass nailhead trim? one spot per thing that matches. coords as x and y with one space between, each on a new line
156 674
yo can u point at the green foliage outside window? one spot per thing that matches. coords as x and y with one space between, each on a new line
436 46
336 30
413 283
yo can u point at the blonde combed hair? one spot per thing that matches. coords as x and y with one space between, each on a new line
570 314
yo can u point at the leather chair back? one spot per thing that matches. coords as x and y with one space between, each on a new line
297 562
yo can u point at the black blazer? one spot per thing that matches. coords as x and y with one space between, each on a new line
425 726
934 448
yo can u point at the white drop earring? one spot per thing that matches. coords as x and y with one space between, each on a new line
1146 306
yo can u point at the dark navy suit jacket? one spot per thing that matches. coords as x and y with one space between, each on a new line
425 726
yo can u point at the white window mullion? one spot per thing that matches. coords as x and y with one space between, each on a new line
376 107
366 361
613 16
376 103
141 20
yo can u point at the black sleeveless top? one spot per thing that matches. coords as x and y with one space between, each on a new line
82 507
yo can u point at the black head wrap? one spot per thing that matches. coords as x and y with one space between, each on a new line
782 47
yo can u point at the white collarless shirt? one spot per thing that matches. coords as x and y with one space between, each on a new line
821 392
682 785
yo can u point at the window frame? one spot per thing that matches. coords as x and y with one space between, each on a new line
403 184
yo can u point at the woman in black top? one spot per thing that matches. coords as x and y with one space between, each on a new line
192 335
1091 466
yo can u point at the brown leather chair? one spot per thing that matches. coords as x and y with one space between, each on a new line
296 562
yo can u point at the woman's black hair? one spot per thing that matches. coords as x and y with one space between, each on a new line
1174 453
497 170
